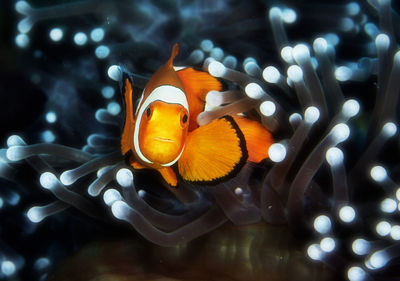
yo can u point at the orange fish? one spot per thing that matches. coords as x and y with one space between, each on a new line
163 129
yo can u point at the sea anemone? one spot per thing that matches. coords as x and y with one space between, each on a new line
331 174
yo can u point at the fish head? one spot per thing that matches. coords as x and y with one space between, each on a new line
162 132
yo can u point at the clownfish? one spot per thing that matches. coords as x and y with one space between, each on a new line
163 130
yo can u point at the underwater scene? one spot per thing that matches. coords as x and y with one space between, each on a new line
199 140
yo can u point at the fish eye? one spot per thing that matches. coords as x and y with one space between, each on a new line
184 118
148 112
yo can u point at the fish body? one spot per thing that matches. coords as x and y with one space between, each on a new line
163 129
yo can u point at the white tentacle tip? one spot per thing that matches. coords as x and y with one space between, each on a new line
124 177
119 209
66 178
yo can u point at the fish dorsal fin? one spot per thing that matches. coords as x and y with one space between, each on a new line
197 84
127 133
258 139
174 53
165 75
213 152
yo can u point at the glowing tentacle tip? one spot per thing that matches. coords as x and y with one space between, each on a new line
48 136
395 232
48 180
295 73
267 108
327 244
378 173
34 215
289 15
295 119
217 53
102 170
214 98
322 224
350 108
396 58
301 53
388 205
343 73
51 117
114 108
340 132
119 209
216 69
8 268
398 194
271 74
314 252
15 140
238 191
25 25
115 73
347 214
230 62
277 152
15 153
23 8
311 115
356 273
320 45
80 38
97 34
353 8
141 193
111 195
196 56
287 54
56 34
254 91
206 45
334 156
22 40
371 29
275 12
42 263
382 41
92 192
389 129
383 228
378 259
346 24
251 68
108 92
124 177
360 246
102 52
66 178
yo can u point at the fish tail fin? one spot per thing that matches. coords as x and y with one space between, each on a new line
258 139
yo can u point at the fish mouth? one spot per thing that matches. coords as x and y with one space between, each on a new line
164 139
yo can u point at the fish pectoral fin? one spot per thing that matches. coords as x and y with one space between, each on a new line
197 84
258 139
213 152
137 166
169 175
